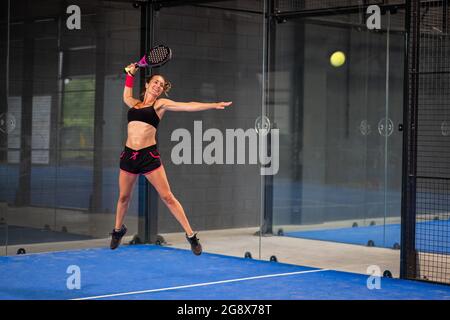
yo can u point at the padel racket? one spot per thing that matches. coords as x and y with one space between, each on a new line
157 56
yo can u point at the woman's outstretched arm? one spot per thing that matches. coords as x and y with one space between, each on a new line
170 105
128 90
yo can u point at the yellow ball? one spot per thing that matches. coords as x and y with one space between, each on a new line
337 59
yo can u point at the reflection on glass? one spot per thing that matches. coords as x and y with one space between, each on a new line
58 119
340 174
77 128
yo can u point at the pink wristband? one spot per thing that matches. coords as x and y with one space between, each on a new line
129 81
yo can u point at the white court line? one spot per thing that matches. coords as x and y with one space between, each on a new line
201 284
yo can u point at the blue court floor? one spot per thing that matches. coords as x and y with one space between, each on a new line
162 273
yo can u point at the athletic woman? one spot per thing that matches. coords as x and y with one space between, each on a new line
141 156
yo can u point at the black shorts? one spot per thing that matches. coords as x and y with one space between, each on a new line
141 161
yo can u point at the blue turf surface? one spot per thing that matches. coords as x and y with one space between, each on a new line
437 233
147 267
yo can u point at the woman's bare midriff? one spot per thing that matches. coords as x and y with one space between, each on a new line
140 135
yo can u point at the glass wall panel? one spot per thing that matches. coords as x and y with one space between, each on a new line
4 35
340 147
66 122
217 56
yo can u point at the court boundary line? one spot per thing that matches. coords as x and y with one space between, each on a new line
201 284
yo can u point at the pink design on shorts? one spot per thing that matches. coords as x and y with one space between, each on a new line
156 157
121 155
134 155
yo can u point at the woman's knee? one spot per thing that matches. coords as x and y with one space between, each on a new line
168 198
124 198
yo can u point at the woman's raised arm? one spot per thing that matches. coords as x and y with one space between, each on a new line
128 90
170 105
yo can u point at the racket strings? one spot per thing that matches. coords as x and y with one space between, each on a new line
158 55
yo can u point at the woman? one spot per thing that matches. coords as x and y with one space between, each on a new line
141 156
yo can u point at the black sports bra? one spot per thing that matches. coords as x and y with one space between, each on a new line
146 114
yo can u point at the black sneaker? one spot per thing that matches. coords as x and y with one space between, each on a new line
116 236
196 247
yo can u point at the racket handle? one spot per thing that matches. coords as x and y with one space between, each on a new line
127 70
